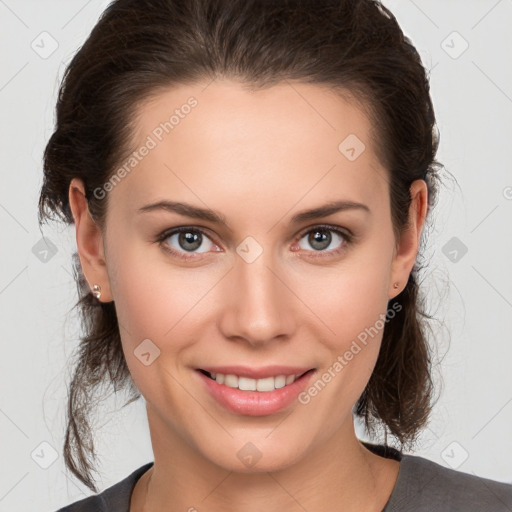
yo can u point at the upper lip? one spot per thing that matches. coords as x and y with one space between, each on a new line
257 373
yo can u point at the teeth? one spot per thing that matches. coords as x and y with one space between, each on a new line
231 381
247 384
281 381
267 384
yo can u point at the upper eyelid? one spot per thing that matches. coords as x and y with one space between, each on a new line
167 233
337 229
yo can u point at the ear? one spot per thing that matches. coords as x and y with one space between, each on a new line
408 245
89 241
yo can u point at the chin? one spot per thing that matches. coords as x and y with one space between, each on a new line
258 455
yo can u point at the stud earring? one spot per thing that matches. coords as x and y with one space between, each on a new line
395 286
96 291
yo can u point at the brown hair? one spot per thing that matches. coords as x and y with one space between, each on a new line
140 47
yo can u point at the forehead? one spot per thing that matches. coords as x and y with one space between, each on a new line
281 143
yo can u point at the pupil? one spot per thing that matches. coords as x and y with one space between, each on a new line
323 238
190 238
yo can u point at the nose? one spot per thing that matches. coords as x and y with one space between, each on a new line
258 306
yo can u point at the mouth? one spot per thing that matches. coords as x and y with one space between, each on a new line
264 385
255 392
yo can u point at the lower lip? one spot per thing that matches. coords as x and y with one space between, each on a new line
256 403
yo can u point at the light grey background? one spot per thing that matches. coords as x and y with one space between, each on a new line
472 94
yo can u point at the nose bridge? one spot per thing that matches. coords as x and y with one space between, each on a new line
259 305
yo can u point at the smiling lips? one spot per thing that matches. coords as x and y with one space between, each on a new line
255 392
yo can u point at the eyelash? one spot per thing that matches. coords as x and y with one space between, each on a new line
347 237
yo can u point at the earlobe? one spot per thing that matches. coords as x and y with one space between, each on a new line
407 248
89 241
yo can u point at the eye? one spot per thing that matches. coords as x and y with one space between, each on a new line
187 242
183 240
325 239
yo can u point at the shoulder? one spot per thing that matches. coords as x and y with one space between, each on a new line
114 499
424 485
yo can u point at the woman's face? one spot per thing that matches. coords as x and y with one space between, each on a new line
271 289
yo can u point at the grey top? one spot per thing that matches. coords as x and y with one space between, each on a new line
422 486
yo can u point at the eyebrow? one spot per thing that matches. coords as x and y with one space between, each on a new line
206 214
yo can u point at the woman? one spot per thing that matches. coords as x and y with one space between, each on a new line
249 183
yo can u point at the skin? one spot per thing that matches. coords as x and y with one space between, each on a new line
256 157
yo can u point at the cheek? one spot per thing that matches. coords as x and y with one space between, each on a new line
157 302
151 297
348 299
351 302
152 315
